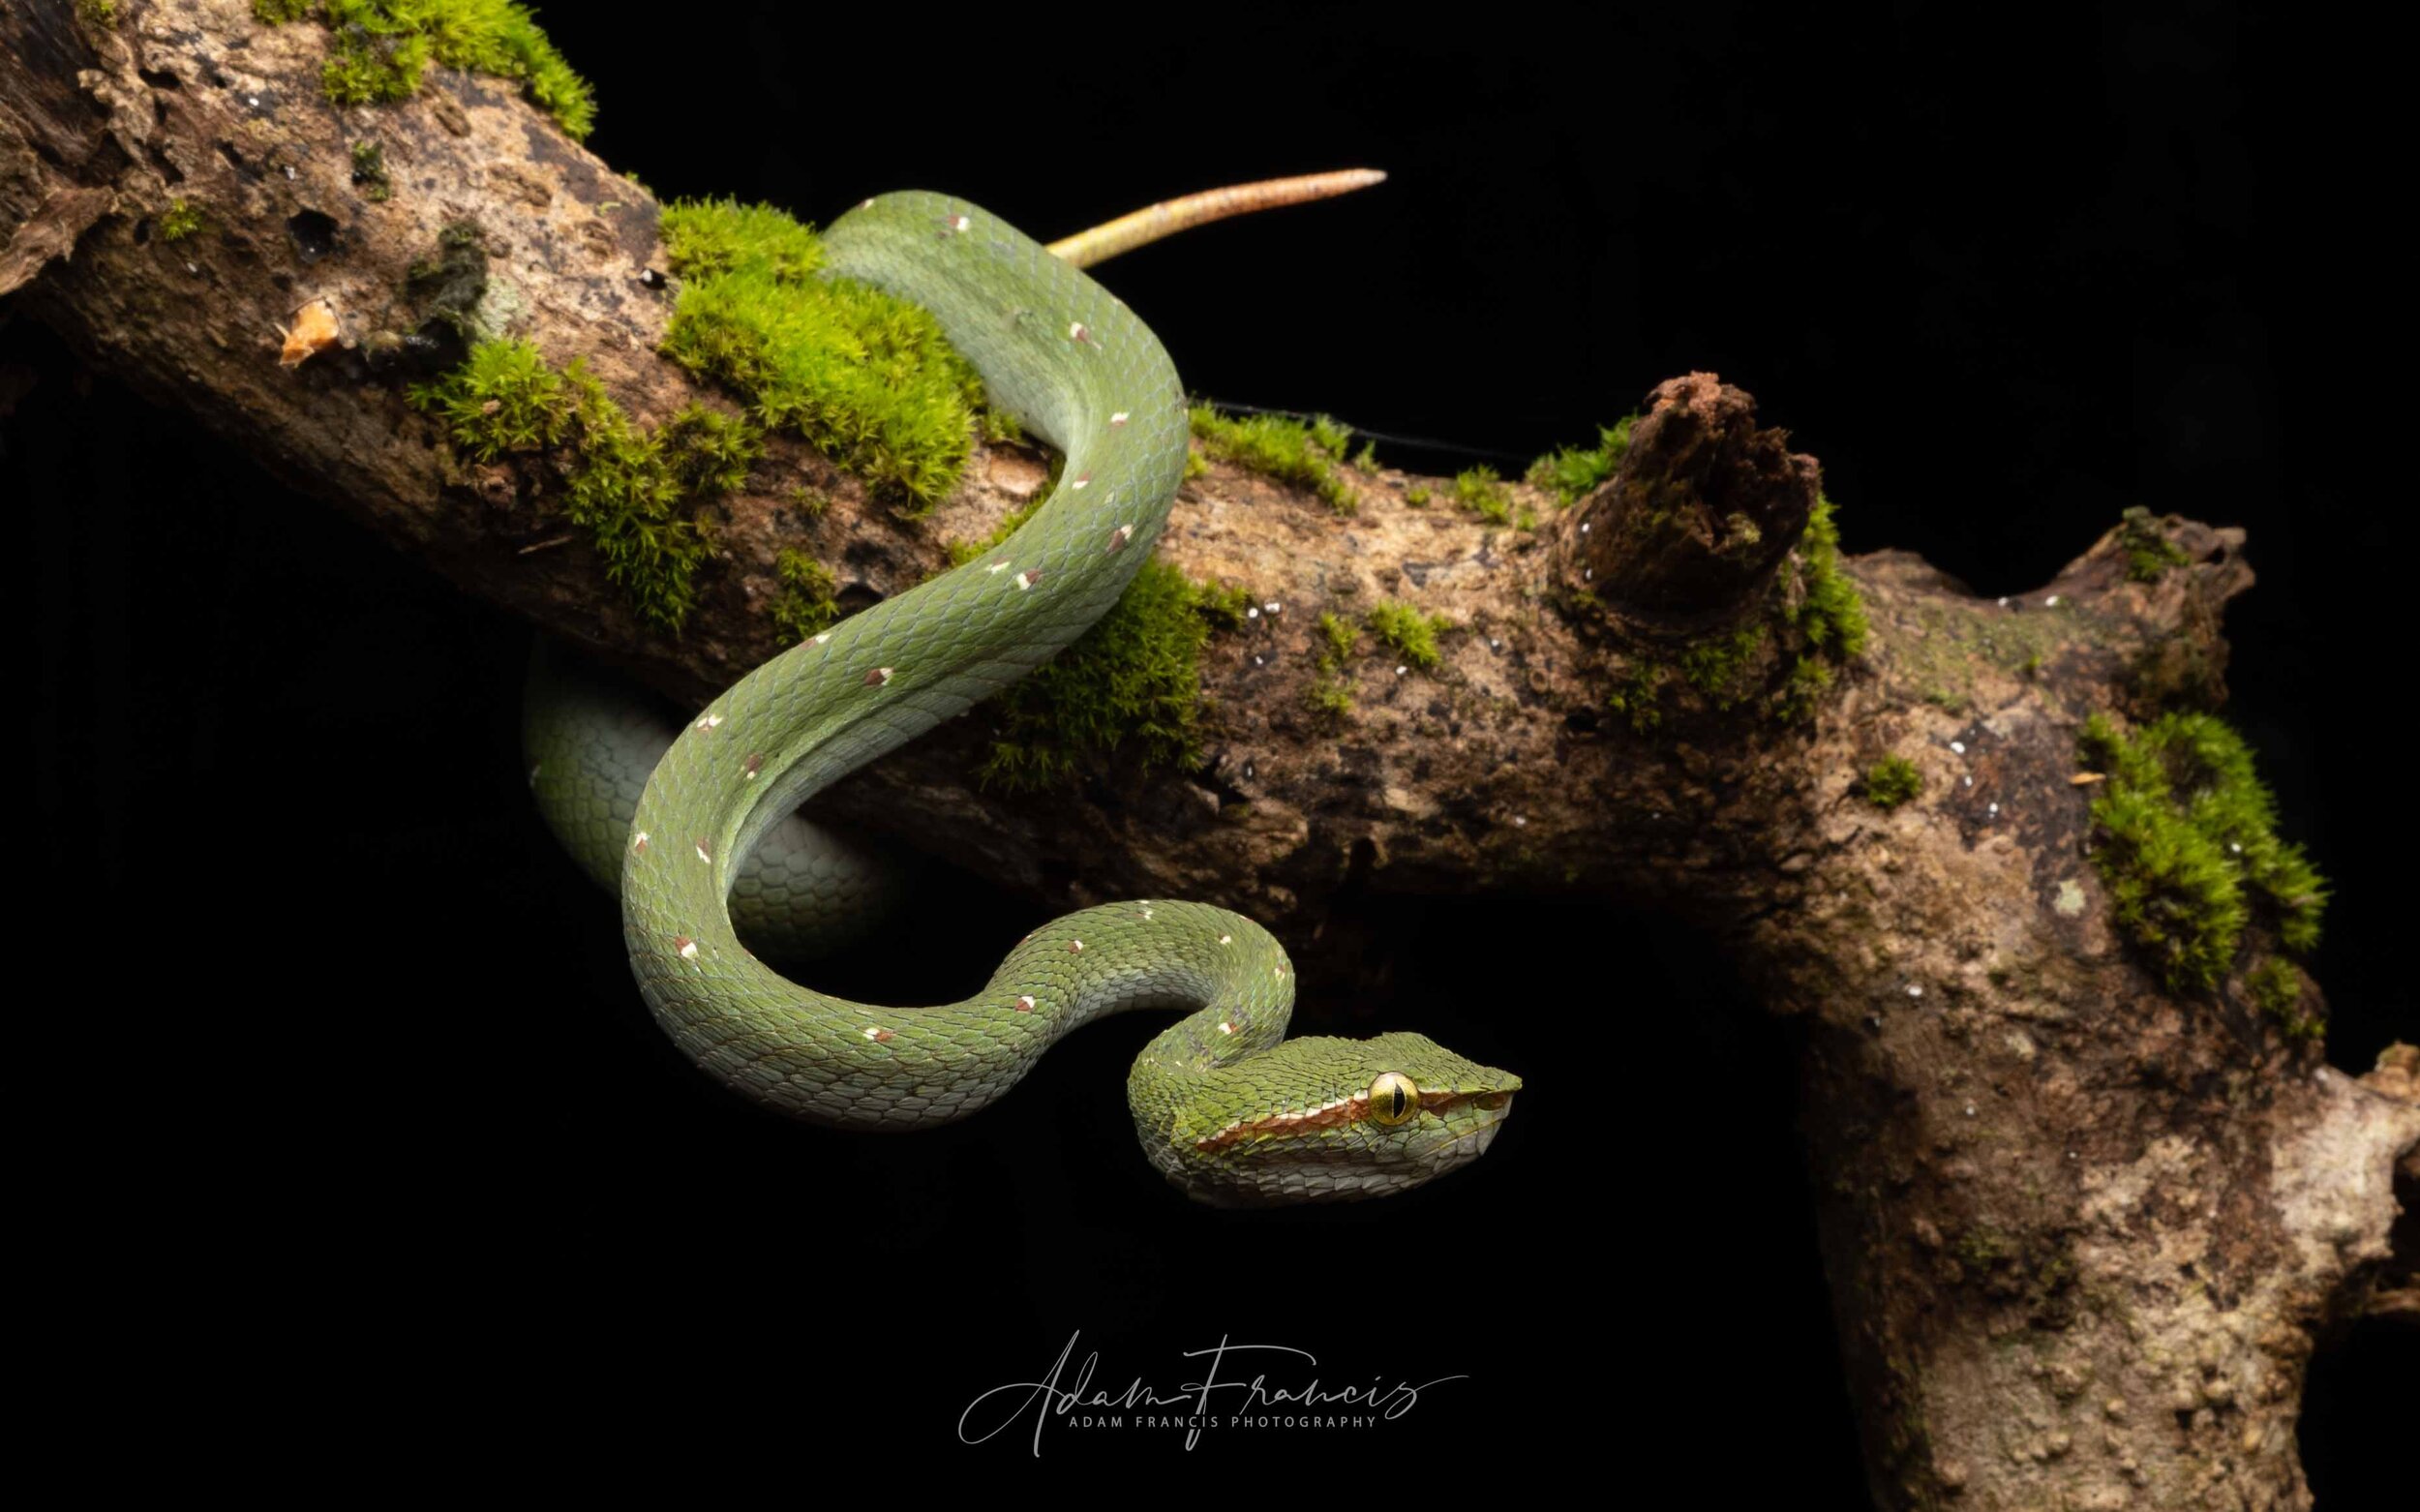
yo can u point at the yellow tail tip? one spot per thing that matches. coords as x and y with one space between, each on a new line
1152 223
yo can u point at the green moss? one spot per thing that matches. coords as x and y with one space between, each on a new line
1330 435
715 238
2186 841
100 13
1718 667
867 378
367 67
634 494
505 398
1195 467
807 604
1330 698
1291 451
1483 493
1418 496
1224 604
380 48
1801 692
1830 614
1367 458
1411 633
1133 680
2276 990
1577 471
1638 696
626 495
370 170
1340 638
710 452
1891 781
2149 553
807 501
1330 694
182 219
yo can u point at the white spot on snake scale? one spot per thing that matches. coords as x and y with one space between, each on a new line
710 721
1118 419
705 854
1117 543
1227 1026
1082 480
960 224
752 766
821 639
998 567
1226 939
1076 947
1025 1004
877 1035
1076 332
878 676
1027 579
685 945
638 841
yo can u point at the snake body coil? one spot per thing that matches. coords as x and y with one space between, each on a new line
1226 1107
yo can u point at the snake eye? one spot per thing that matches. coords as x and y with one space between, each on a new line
1393 1099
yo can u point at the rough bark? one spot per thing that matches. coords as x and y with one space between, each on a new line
2081 1231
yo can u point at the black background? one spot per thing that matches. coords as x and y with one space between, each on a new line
397 1125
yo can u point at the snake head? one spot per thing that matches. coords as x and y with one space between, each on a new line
1327 1120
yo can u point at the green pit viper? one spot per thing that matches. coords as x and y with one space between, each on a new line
1228 1108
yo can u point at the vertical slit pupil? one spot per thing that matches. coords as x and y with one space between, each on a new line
1399 1100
